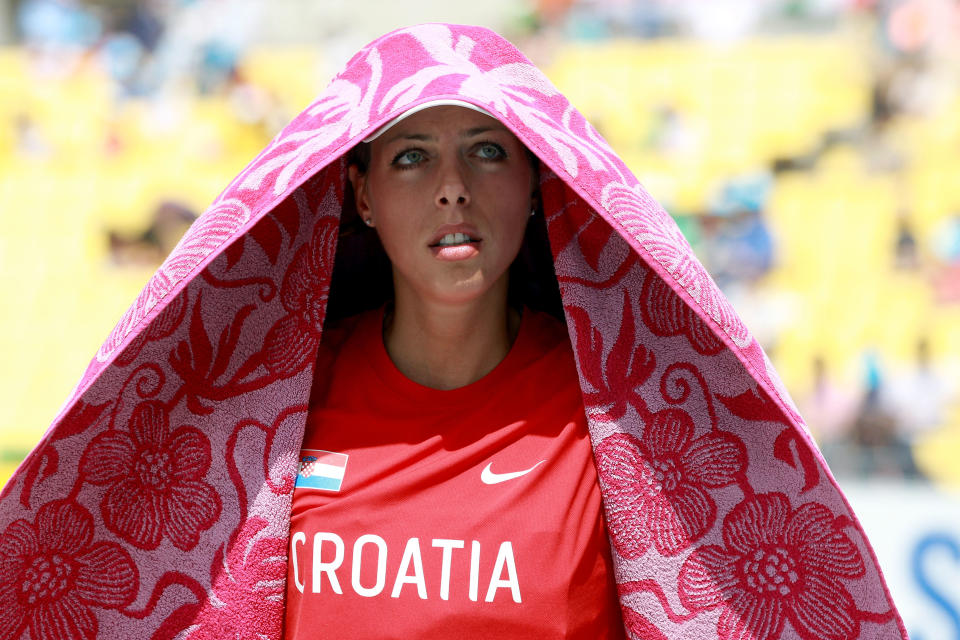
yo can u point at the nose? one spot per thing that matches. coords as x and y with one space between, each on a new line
452 187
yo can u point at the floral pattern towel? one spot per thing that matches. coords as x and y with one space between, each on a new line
157 504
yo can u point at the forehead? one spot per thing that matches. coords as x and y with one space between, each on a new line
442 121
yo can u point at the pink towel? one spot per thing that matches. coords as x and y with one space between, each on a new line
157 504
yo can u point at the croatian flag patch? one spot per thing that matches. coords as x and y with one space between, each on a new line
321 469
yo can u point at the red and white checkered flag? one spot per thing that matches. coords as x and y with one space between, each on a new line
307 465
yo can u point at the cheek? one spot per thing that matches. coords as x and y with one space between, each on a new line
393 238
516 206
513 226
391 222
398 235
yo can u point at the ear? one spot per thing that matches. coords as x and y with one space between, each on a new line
358 180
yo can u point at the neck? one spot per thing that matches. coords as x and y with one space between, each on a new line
446 346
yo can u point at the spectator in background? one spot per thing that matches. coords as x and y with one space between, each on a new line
738 247
946 240
204 41
30 142
945 247
133 34
829 407
905 250
57 23
57 32
881 450
670 134
918 397
169 221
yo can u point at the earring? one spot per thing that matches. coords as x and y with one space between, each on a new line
533 212
368 222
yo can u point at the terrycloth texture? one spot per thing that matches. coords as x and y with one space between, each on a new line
158 502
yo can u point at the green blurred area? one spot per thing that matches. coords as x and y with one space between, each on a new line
76 163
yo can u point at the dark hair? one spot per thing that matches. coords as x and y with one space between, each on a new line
362 274
359 156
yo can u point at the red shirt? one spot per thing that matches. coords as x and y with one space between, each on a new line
468 513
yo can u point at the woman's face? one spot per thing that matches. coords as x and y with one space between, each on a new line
449 191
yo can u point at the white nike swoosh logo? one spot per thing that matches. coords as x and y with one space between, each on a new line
489 477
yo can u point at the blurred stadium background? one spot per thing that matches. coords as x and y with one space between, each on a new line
809 149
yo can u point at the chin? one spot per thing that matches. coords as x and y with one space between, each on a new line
460 295
453 288
466 291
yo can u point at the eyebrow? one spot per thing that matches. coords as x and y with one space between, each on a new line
478 130
423 137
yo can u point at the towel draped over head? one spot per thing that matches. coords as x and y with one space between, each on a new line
157 504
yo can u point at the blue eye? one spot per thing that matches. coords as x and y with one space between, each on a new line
490 151
408 158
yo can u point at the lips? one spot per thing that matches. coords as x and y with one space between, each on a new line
454 235
452 239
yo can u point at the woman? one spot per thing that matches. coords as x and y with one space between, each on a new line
449 392
163 499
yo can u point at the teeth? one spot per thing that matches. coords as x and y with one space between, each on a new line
454 238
